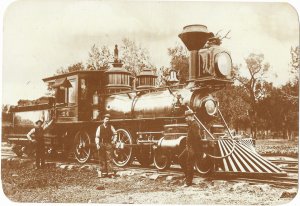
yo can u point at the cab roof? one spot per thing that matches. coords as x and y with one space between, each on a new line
47 79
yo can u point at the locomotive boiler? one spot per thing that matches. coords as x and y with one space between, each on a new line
150 120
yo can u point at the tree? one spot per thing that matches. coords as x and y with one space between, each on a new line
294 64
254 84
61 70
76 67
162 75
134 57
271 109
179 62
291 89
278 113
99 58
234 108
291 115
72 68
290 92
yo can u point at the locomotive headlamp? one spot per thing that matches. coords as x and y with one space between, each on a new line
223 63
211 107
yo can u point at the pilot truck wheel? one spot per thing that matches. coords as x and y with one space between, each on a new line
161 159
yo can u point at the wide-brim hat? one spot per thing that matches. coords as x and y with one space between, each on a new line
189 112
106 115
39 121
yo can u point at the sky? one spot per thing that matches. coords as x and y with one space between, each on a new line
40 37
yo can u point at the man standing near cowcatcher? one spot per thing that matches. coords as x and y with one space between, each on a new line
106 137
38 134
193 147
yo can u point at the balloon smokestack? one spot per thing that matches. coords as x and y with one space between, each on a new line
194 37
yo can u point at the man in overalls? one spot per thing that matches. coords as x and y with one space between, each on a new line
38 134
106 137
192 145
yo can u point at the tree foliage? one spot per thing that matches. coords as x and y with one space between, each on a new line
76 67
234 108
72 68
99 58
254 81
162 75
294 64
134 57
254 84
179 62
291 89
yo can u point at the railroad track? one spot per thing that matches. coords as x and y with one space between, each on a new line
289 162
292 165
176 171
274 181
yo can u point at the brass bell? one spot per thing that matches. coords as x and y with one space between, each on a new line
172 77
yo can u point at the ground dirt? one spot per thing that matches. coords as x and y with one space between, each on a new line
65 184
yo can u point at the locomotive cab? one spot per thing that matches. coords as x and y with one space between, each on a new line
73 94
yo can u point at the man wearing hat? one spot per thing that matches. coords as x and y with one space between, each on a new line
192 145
38 133
106 136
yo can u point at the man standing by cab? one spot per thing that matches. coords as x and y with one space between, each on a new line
106 137
192 145
38 134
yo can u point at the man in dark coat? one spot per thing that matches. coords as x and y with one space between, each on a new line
38 134
106 137
192 145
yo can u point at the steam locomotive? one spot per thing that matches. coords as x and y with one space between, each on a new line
149 120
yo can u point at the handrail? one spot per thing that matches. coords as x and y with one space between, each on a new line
65 106
201 124
233 142
150 132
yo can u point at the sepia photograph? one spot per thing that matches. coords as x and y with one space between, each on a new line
150 102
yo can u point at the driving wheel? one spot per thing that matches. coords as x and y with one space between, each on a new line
123 150
82 150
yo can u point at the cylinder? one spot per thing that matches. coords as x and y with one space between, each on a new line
170 143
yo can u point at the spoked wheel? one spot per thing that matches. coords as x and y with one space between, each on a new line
203 164
123 152
161 159
82 150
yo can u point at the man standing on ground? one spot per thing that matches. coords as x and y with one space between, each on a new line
192 145
38 133
106 137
